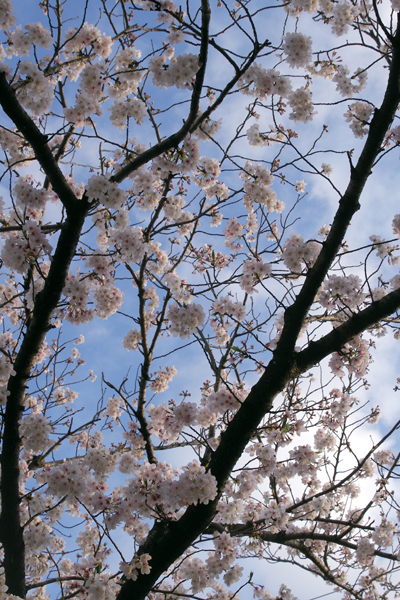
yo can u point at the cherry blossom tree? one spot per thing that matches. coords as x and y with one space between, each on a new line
154 166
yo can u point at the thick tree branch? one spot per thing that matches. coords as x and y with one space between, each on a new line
338 337
174 140
168 540
38 142
348 205
11 533
45 304
284 538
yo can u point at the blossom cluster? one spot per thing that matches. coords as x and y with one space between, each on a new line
132 339
343 14
301 103
224 306
178 288
207 171
297 48
21 248
358 116
156 487
7 17
296 251
108 299
122 110
128 241
35 34
37 92
18 152
385 250
296 7
341 292
168 422
161 378
257 183
139 563
76 39
254 271
349 86
354 356
114 409
185 319
99 188
35 431
88 100
256 138
127 75
261 82
30 197
232 232
180 72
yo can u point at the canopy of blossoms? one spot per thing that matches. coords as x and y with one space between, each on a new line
154 164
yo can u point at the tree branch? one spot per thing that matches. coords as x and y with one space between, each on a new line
168 540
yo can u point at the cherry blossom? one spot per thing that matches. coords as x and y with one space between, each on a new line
297 47
184 215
